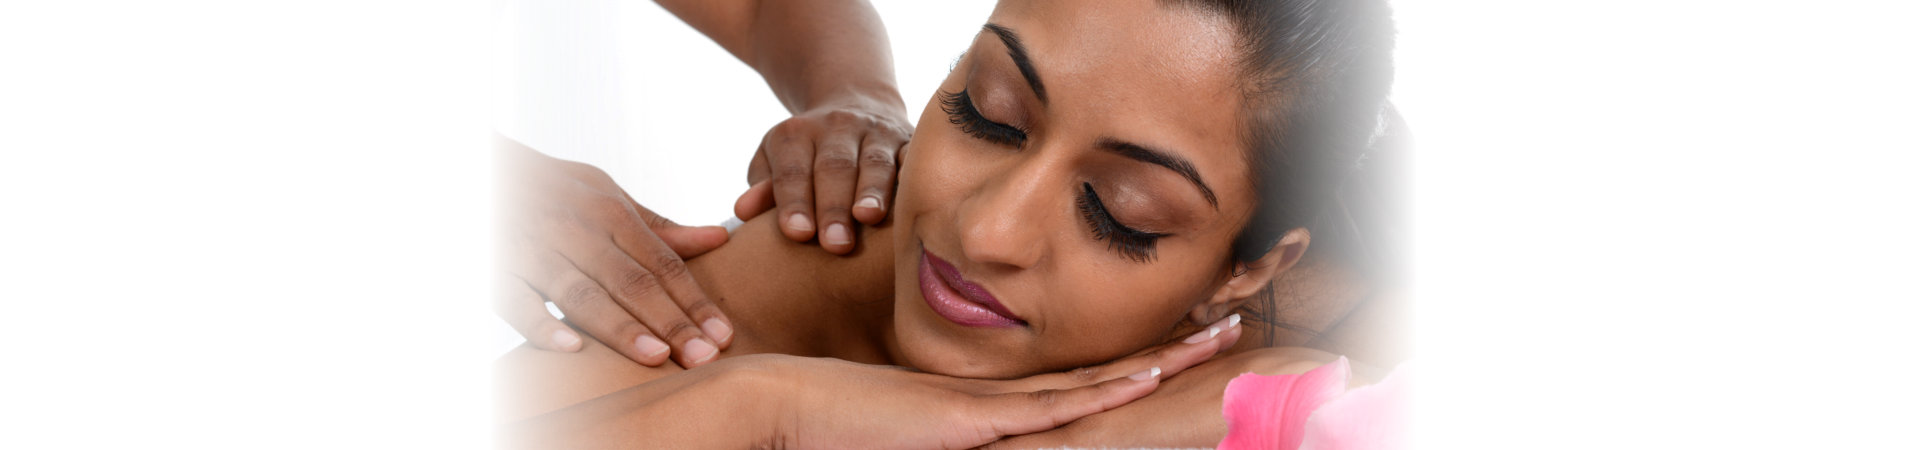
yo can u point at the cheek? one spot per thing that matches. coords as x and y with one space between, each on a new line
1108 310
936 173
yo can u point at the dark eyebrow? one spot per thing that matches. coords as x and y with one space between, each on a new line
1162 159
1019 54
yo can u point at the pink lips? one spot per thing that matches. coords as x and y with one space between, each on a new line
957 299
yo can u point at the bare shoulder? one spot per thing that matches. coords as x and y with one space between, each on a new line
785 296
772 288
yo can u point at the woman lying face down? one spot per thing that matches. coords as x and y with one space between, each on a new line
1092 179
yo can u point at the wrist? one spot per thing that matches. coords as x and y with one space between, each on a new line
881 99
749 396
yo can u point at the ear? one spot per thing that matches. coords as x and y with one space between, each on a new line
1249 278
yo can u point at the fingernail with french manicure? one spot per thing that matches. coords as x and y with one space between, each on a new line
1210 332
836 235
800 222
1145 375
868 202
564 339
699 351
1203 335
650 346
716 329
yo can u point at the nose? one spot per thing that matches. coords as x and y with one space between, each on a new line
1002 222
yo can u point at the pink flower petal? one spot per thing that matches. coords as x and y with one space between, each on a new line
1270 411
1368 418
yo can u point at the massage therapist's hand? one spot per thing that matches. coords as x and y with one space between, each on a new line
782 401
827 167
614 268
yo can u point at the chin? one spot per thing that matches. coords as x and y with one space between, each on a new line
922 347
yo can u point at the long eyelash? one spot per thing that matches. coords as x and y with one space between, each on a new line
1134 244
960 111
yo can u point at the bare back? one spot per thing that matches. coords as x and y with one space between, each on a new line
782 297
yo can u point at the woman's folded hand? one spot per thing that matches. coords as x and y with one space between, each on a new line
782 401
837 404
1183 412
572 236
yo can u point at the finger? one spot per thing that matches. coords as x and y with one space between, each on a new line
670 270
665 271
526 312
1017 413
757 199
644 292
685 241
757 168
1171 358
588 306
688 242
878 170
682 239
835 171
791 159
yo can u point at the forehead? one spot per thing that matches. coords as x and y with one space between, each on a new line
1158 74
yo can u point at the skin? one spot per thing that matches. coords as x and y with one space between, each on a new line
829 63
576 239
1005 216
824 319
596 398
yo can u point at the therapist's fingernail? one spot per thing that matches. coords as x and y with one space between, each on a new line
565 340
716 329
836 235
650 346
800 222
869 202
1233 321
1145 375
699 351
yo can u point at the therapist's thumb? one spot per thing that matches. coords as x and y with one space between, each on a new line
685 241
689 242
758 199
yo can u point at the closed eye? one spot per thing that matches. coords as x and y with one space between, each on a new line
1134 244
960 111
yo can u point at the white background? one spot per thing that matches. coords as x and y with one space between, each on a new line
629 88
1643 224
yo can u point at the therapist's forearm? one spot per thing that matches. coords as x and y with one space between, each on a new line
813 53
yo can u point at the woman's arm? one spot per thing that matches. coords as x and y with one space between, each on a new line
530 381
683 409
772 400
781 401
1186 410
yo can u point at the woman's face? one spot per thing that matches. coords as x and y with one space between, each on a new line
1083 168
